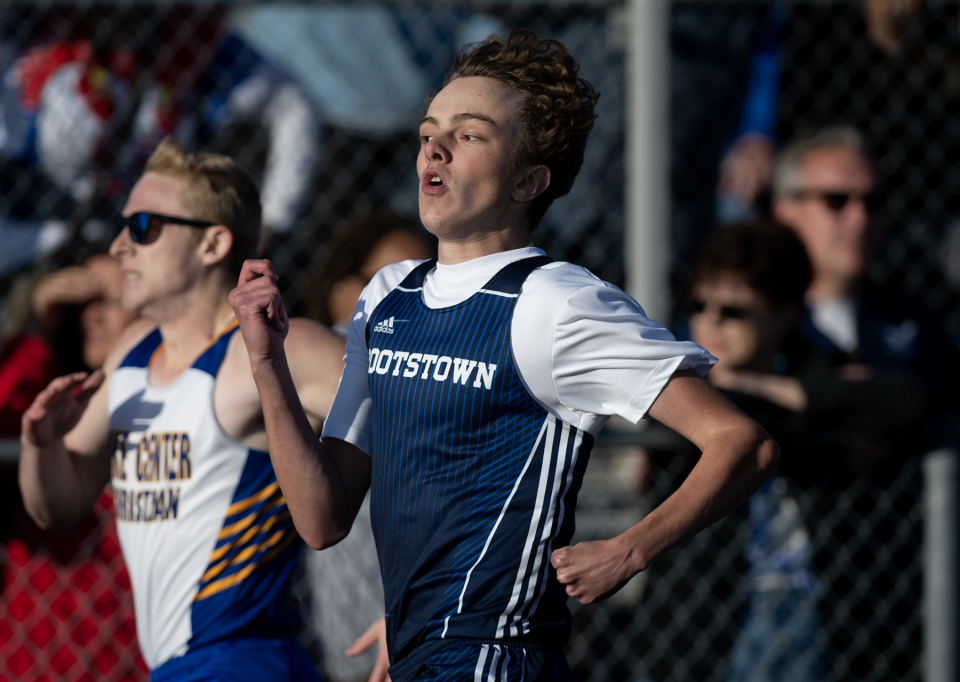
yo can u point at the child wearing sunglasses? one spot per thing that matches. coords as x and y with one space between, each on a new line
746 304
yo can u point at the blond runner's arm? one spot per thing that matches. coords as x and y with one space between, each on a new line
65 441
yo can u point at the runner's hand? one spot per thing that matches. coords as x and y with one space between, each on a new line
592 571
375 634
58 407
259 308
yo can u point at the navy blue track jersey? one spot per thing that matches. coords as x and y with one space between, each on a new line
474 482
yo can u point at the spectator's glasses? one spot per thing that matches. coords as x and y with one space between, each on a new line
145 228
837 201
696 306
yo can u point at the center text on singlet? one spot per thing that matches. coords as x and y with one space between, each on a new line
443 367
157 460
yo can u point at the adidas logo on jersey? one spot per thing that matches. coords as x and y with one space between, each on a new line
385 327
436 367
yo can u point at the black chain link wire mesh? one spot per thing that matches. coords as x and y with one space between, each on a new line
678 621
66 611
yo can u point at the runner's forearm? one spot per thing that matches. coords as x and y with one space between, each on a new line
733 467
58 488
322 497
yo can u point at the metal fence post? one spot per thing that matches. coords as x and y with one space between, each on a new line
940 594
647 134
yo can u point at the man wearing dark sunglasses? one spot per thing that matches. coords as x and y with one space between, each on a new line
175 423
145 227
875 342
825 189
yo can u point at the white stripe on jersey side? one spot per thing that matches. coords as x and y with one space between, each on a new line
498 293
540 558
409 291
523 666
478 672
577 443
551 423
496 525
492 677
506 666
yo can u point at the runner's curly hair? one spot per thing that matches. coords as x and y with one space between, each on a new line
556 104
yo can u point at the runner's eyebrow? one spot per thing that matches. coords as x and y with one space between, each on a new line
460 118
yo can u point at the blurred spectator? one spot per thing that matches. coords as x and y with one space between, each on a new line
344 592
724 88
747 301
90 551
887 20
95 288
747 297
826 190
354 256
27 362
86 97
747 167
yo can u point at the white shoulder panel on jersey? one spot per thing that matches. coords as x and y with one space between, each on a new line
605 355
349 414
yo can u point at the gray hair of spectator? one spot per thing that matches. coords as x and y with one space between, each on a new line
788 168
218 191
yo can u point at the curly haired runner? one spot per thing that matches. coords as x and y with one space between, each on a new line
475 385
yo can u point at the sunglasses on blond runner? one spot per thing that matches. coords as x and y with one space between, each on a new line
145 228
837 201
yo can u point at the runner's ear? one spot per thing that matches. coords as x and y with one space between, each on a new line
215 245
531 182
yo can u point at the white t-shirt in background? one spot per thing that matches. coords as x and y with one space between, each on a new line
836 318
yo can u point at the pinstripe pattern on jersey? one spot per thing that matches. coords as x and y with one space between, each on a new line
562 448
471 479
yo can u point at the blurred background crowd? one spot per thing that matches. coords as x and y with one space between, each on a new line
814 247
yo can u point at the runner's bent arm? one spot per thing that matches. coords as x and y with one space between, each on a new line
738 456
323 482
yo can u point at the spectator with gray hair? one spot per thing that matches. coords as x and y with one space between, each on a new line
827 190
876 342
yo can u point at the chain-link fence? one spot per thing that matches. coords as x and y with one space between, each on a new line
67 610
695 611
320 102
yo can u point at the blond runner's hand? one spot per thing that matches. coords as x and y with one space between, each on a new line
58 407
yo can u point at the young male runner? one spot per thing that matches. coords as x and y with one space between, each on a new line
175 423
474 387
